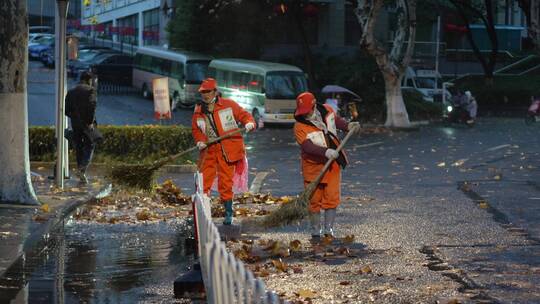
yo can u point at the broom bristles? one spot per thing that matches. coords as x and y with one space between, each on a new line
291 212
134 176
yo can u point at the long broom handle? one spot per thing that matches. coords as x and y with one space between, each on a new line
167 159
329 162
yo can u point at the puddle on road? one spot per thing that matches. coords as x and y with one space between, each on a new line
101 263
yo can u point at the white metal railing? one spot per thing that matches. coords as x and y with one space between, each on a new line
226 279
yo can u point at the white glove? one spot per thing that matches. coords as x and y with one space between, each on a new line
250 126
353 124
331 154
201 145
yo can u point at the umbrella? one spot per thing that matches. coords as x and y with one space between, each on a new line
337 89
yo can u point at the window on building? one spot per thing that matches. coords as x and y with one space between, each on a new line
128 29
151 27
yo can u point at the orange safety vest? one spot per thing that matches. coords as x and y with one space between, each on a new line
312 166
226 116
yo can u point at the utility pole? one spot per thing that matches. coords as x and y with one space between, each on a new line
62 6
437 51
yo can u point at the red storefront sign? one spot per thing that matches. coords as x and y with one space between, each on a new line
151 34
449 27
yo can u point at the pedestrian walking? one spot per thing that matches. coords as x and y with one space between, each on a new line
471 106
214 117
81 104
316 133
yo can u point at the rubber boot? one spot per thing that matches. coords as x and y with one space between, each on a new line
329 218
81 174
228 213
315 223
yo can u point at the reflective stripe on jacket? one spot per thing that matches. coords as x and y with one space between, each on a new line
227 114
304 130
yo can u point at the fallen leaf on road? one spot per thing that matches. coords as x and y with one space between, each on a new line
39 218
45 208
348 239
295 245
280 265
365 270
306 293
459 163
483 205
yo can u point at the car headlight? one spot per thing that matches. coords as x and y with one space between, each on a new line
449 108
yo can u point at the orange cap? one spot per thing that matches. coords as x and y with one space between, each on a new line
208 84
304 103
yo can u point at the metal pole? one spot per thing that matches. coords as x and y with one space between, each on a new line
62 6
437 51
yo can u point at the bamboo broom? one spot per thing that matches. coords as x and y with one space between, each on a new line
141 176
298 208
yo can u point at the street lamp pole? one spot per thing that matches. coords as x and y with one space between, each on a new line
62 6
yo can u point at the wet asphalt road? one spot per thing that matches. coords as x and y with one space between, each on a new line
130 109
466 197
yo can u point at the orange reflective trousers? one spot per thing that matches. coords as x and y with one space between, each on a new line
214 163
327 195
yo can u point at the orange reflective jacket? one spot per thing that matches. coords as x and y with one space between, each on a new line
227 114
312 166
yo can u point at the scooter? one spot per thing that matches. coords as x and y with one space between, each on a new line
533 113
457 114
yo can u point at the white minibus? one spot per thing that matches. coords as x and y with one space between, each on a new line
267 90
185 71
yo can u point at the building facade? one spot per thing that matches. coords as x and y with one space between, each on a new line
136 22
42 12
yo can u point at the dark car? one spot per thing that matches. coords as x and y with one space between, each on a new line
86 56
111 68
48 57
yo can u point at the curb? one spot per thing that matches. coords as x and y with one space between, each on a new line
103 166
414 124
39 237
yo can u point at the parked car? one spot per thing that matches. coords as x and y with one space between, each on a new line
35 51
74 67
33 37
115 68
48 58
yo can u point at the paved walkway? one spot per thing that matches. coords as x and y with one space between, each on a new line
23 228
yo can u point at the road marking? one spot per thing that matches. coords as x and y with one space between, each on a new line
257 182
498 148
369 145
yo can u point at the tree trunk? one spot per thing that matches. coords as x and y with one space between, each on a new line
396 112
392 65
15 185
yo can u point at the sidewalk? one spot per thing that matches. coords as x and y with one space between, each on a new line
24 228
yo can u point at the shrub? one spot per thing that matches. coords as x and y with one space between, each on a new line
418 109
120 143
506 91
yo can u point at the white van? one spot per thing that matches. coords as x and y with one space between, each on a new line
267 90
185 70
423 81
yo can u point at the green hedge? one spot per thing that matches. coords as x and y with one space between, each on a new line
506 91
417 108
120 143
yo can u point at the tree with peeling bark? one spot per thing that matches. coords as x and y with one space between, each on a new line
15 185
470 11
392 64
531 9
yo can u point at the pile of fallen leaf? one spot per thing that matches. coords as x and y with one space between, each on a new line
167 203
251 204
277 258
